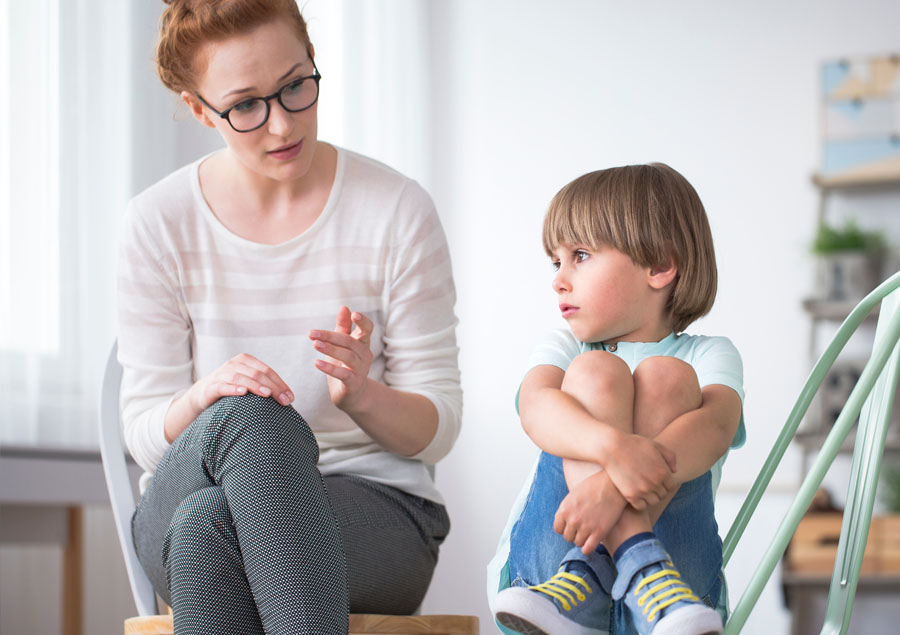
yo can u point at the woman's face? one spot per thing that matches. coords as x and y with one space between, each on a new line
257 64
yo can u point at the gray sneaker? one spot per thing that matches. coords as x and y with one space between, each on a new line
659 600
569 603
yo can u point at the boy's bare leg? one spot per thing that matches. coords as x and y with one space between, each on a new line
665 389
603 384
661 390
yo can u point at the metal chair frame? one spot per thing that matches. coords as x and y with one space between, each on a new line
871 399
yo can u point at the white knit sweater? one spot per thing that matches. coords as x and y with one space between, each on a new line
193 295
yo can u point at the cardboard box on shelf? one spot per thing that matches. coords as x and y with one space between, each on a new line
813 548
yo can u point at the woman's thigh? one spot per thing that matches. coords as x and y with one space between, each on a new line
391 541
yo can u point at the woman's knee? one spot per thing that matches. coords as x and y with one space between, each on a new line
202 519
259 420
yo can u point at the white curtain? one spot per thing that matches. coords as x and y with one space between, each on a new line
64 170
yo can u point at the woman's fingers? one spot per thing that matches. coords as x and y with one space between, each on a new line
338 372
342 354
364 327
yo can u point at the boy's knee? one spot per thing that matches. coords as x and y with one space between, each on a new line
598 373
667 376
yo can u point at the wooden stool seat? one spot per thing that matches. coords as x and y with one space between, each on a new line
360 624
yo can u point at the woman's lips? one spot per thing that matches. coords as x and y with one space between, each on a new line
567 310
287 152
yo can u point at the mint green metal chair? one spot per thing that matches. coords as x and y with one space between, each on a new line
871 399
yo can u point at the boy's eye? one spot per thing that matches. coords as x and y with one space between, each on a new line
555 265
581 255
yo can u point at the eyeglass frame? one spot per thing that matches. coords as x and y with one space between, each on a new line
316 77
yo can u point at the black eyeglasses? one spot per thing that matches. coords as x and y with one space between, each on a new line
253 113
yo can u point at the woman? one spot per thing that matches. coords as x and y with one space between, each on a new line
231 271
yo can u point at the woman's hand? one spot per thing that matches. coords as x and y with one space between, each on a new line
642 470
589 511
239 375
351 358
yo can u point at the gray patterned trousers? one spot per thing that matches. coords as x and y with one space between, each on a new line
239 532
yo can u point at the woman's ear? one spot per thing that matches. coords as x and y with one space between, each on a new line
661 276
196 109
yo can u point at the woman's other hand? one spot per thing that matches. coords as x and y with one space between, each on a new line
239 375
349 358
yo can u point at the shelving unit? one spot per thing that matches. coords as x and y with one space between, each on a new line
805 592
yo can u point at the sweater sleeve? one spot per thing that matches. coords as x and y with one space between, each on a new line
154 335
420 325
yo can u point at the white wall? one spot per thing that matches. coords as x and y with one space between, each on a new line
528 95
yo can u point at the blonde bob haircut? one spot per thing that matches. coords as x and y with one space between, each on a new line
650 213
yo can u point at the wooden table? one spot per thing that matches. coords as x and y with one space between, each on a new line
42 492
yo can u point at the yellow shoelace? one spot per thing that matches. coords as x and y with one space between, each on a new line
659 599
561 588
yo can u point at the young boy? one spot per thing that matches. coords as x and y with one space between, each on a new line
616 531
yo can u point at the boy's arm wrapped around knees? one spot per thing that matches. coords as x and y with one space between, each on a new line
641 469
701 437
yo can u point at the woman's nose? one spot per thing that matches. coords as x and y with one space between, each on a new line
280 120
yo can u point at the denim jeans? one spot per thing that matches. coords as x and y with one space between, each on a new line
687 528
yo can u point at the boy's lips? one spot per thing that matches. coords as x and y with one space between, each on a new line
567 309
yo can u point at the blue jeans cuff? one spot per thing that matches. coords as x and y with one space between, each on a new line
643 554
600 563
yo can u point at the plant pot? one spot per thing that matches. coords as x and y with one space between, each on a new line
847 276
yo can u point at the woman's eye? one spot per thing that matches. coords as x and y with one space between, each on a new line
246 106
294 87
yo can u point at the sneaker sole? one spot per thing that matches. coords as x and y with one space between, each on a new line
696 619
543 618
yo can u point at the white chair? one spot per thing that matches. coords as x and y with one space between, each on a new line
123 505
119 485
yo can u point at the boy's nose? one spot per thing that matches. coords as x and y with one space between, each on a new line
559 283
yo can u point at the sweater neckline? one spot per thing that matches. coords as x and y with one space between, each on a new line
305 235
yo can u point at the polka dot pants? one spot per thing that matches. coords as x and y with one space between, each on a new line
239 532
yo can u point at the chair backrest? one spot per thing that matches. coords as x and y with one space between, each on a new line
118 483
871 400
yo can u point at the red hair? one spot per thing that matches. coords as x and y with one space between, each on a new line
188 25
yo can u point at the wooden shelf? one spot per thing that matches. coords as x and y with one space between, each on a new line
888 581
833 311
886 175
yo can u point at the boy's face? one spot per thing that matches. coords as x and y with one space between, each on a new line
606 297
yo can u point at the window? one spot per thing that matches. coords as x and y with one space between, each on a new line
29 176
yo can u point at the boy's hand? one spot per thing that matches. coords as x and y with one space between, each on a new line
642 470
589 511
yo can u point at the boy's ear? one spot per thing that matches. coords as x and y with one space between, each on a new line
196 109
661 276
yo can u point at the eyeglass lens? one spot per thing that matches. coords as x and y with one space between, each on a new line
296 96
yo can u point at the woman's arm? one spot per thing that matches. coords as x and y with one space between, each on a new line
401 422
